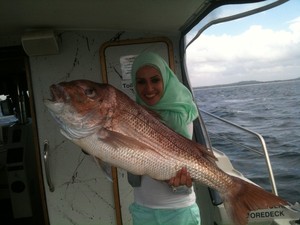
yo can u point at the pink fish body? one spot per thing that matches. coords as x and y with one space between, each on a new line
110 126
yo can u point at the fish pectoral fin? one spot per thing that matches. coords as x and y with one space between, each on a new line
152 113
106 168
118 140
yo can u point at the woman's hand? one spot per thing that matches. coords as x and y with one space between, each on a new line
182 177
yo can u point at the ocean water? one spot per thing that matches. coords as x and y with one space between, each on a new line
270 109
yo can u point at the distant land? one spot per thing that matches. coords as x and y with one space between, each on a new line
249 82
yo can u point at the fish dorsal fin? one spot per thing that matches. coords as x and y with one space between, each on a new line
205 152
202 150
106 168
156 115
152 113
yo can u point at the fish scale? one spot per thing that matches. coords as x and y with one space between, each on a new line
110 126
139 163
153 130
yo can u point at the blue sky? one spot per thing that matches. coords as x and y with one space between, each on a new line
264 47
276 18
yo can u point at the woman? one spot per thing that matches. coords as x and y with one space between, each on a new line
159 202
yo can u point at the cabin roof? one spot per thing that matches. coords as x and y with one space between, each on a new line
164 16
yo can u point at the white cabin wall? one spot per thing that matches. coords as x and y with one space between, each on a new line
82 193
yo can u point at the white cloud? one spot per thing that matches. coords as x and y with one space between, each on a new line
256 54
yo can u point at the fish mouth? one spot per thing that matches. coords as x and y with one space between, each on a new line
57 93
58 99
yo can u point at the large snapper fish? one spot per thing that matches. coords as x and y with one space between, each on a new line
107 124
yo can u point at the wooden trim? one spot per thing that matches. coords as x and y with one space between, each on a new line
134 42
103 65
114 171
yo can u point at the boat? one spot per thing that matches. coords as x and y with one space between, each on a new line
45 179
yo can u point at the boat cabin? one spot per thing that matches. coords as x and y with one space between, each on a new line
44 178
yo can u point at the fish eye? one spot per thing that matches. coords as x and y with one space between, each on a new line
90 92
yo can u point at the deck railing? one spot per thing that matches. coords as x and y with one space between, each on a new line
264 151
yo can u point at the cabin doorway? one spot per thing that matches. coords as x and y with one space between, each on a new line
21 201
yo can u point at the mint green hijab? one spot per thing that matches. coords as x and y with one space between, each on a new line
176 107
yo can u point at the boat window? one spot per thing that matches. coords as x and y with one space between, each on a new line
227 13
246 71
218 15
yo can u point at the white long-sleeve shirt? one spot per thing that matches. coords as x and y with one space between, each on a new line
158 194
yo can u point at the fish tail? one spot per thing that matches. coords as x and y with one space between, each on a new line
245 197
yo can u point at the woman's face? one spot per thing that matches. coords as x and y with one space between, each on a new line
149 85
